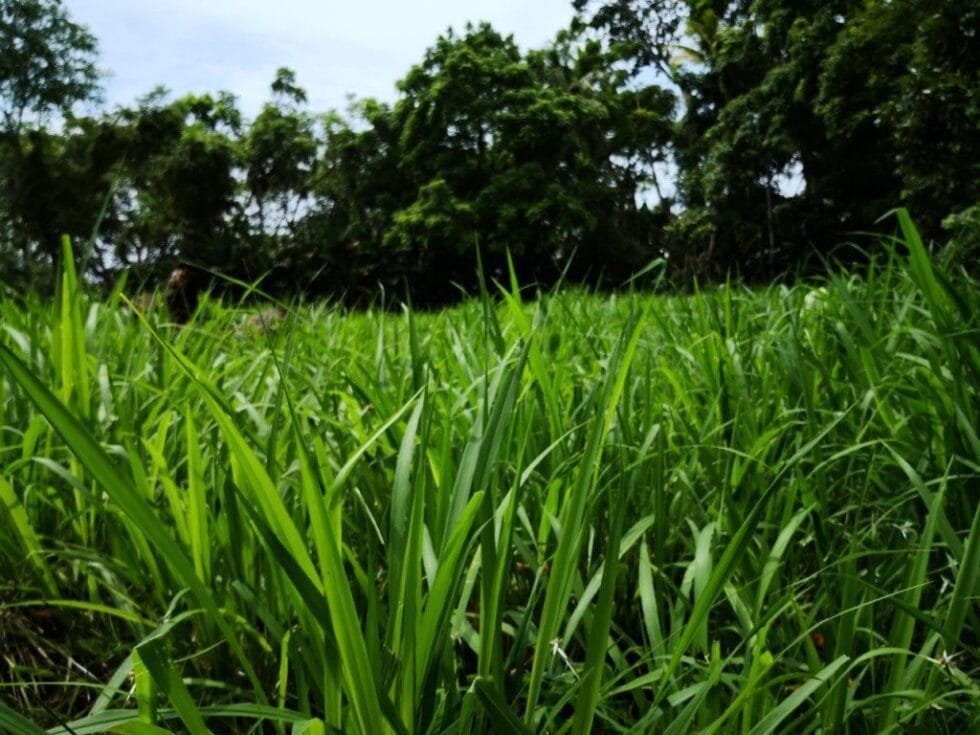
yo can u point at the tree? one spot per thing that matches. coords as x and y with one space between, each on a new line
47 65
178 185
920 97
279 156
357 186
56 186
539 154
47 62
863 106
449 122
199 183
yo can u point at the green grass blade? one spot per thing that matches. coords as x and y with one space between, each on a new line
98 464
501 715
15 724
559 583
965 587
153 655
775 717
599 640
904 625
17 516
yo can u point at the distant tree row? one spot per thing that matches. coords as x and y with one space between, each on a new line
748 136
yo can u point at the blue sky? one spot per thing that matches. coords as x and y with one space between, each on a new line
336 47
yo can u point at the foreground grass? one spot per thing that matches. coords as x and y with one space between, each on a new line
737 511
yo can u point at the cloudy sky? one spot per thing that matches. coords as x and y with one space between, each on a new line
337 47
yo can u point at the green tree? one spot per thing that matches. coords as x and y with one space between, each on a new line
920 97
396 188
867 105
357 187
177 189
540 154
47 65
449 124
279 158
200 183
57 185
47 62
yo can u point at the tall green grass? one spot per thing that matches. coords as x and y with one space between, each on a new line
732 511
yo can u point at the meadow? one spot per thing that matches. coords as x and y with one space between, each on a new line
731 511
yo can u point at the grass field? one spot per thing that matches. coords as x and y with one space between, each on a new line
737 511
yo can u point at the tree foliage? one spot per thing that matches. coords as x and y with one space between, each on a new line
749 136
47 65
538 154
47 62
863 105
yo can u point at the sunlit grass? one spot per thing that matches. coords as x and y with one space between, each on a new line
735 511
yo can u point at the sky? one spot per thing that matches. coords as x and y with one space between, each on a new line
337 47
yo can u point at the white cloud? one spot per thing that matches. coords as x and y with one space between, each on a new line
336 47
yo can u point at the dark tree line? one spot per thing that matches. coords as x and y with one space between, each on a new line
872 104
748 136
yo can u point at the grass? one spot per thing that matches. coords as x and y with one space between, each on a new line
732 511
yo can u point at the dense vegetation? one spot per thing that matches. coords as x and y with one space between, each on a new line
745 137
735 510
543 510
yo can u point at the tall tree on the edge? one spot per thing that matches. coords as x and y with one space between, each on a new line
858 106
47 65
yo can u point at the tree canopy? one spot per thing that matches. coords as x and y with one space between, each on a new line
47 62
744 136
867 105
